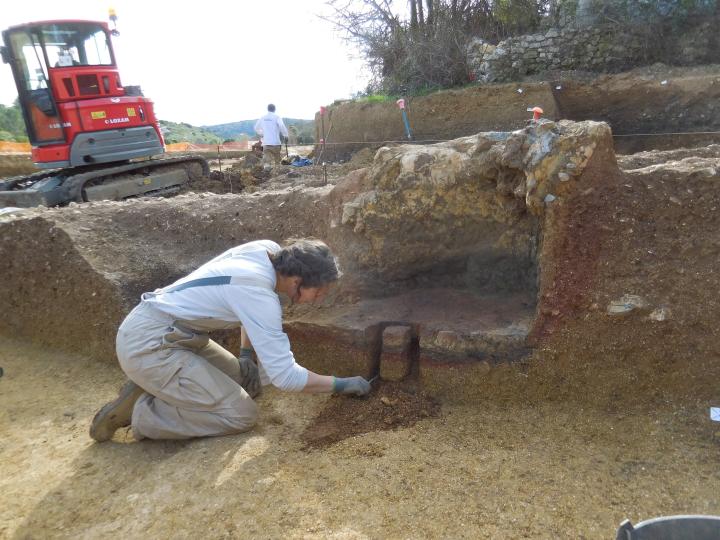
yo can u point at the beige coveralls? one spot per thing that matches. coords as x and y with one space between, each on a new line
191 381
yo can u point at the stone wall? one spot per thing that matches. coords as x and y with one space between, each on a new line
597 49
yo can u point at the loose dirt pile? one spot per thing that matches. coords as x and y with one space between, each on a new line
392 405
254 179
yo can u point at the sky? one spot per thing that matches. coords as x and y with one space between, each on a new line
211 62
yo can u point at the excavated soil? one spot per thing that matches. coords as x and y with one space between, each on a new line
606 420
249 180
653 107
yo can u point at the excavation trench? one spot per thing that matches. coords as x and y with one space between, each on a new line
453 257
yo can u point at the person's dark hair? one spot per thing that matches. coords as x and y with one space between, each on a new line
308 258
271 108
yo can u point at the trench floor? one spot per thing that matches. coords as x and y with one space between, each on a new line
548 470
472 317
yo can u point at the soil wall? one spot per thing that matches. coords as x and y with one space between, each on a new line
640 106
624 264
352 126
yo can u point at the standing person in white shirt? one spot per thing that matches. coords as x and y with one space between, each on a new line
183 384
273 131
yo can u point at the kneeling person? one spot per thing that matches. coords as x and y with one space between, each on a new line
183 384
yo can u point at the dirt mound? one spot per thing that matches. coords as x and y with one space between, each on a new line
657 157
362 158
392 405
16 165
228 181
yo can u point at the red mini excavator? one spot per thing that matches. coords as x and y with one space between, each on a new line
85 127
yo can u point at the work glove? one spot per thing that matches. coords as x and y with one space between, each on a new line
356 386
249 373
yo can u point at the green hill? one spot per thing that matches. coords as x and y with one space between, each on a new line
303 130
175 132
12 128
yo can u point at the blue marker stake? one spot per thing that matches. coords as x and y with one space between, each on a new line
401 104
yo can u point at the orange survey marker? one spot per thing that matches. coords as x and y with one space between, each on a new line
537 112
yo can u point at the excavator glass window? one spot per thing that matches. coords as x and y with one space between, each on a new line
37 50
31 74
32 61
71 44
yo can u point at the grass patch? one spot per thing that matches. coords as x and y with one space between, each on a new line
375 98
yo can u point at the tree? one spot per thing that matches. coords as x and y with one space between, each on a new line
428 50
643 12
585 13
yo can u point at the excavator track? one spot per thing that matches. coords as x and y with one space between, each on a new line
115 182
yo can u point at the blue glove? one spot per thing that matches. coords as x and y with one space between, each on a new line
351 385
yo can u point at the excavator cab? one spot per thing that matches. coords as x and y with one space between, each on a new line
75 108
84 126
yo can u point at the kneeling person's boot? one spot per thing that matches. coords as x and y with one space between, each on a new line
116 414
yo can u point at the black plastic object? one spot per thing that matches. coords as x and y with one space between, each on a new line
671 528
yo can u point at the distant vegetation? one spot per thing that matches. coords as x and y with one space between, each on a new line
302 131
12 128
175 132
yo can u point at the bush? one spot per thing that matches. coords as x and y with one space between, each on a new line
12 126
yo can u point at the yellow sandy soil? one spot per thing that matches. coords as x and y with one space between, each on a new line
517 471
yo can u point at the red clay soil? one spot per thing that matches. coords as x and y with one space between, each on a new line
653 233
571 263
